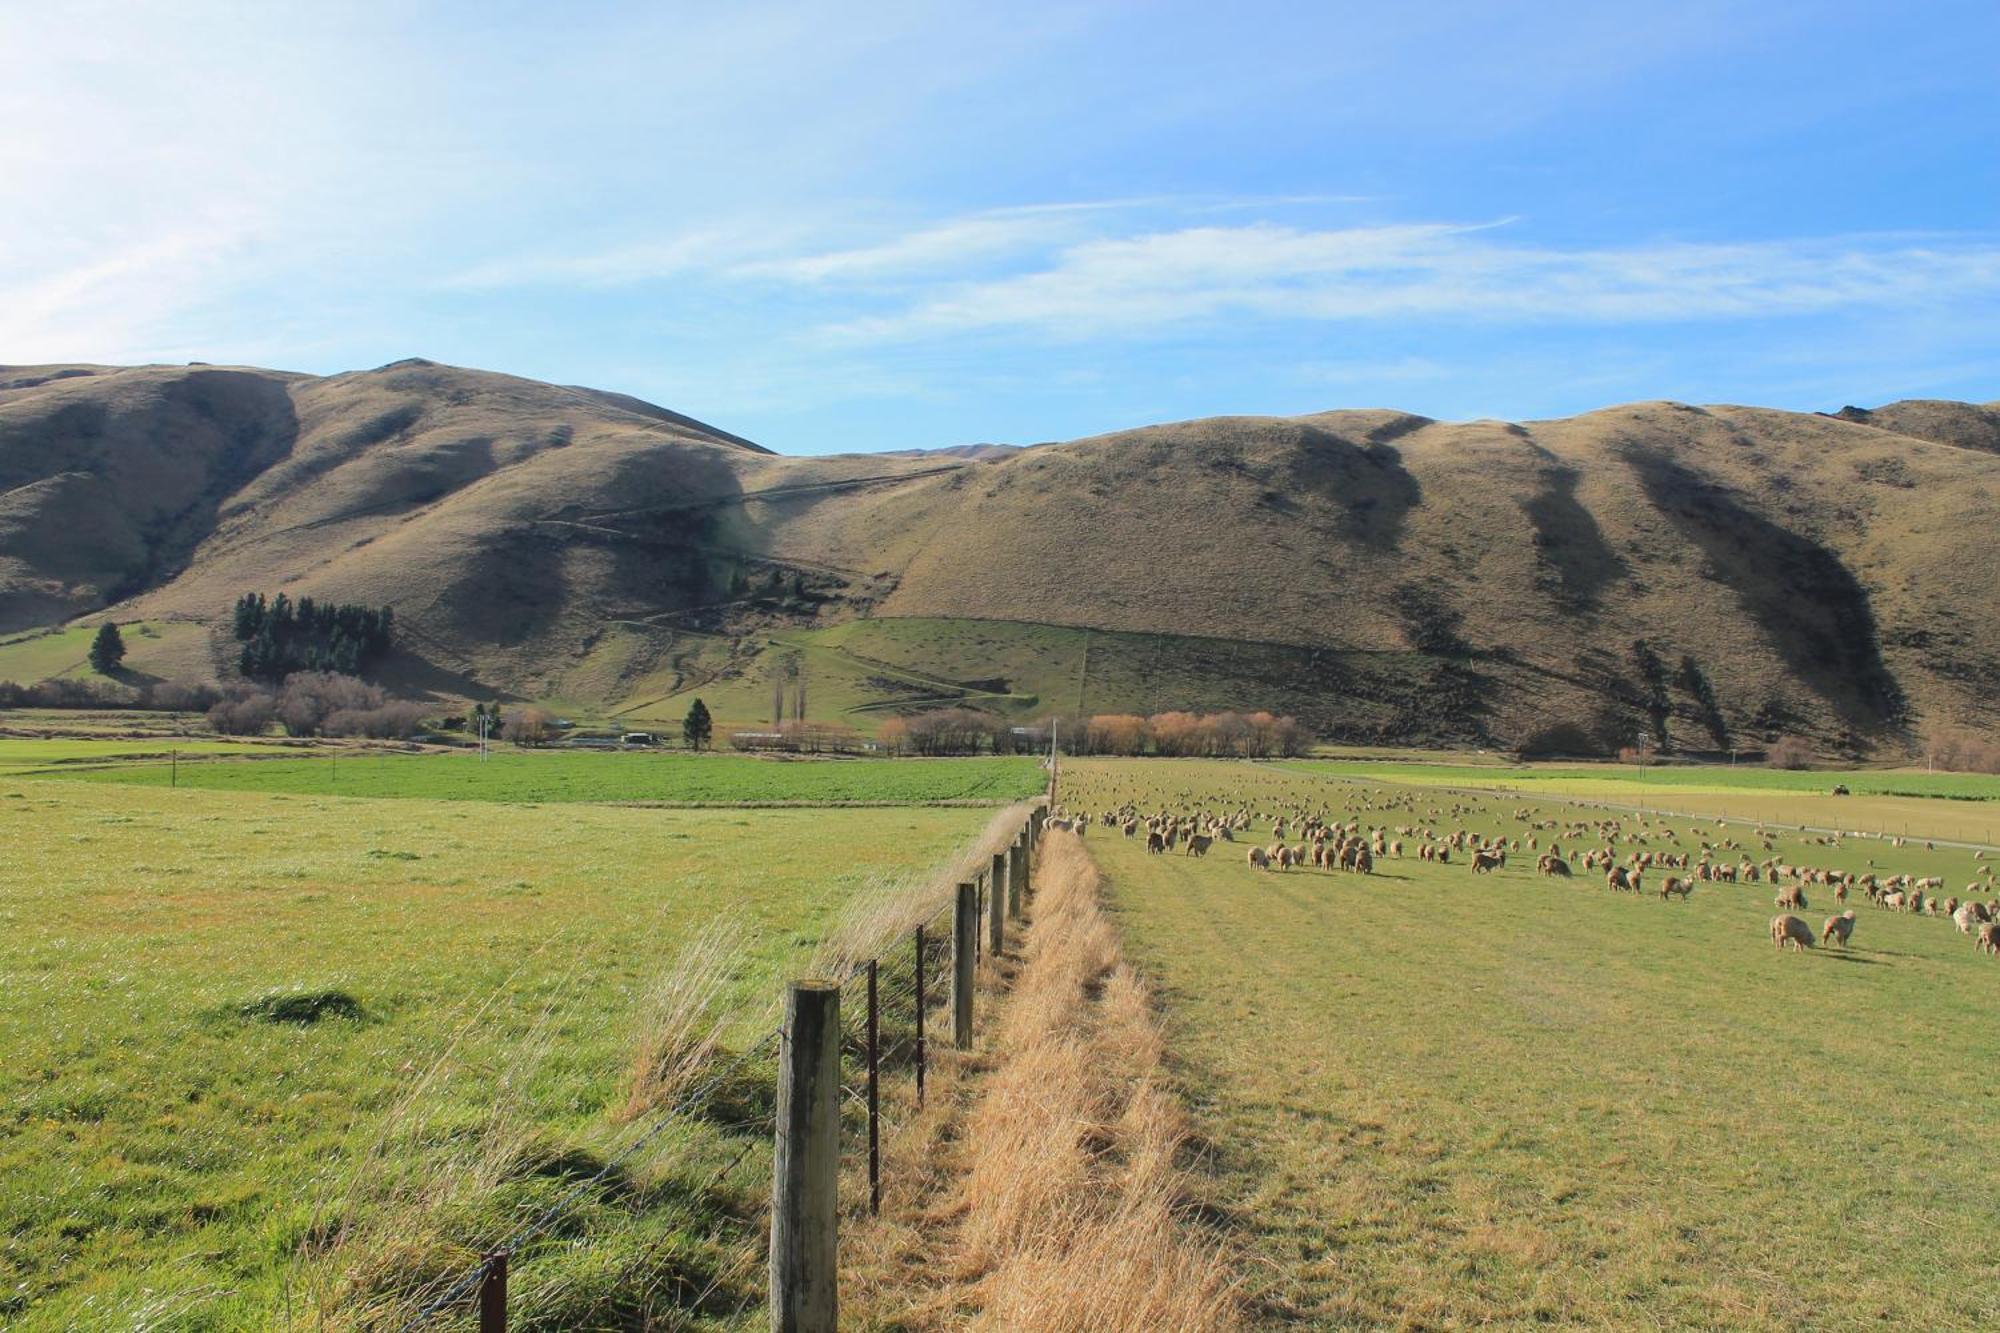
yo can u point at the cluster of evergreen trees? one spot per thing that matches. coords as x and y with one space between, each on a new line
280 636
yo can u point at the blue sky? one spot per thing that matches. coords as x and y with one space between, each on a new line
836 226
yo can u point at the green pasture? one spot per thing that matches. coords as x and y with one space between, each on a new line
21 754
253 1046
1608 779
571 776
1432 1099
164 650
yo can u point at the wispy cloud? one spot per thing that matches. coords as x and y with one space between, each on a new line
1170 279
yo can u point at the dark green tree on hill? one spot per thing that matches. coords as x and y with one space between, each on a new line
280 637
697 727
107 650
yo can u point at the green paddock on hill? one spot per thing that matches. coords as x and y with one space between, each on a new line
1441 1099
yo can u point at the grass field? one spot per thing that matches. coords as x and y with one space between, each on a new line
165 650
19 755
1609 779
173 1114
1436 1100
679 779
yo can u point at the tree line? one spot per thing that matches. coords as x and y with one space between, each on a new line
317 703
280 637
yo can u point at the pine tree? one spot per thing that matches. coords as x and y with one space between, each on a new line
107 650
698 727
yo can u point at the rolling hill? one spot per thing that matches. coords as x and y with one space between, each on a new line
1727 573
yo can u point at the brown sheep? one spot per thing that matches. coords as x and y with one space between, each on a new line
1198 845
1989 938
1838 928
1551 864
1617 878
1259 859
1486 862
1675 884
1156 841
1788 929
1793 896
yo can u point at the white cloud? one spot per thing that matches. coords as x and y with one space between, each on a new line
1137 284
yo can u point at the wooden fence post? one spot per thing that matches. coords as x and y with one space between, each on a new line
493 1294
964 941
805 1169
1014 880
920 1017
1021 884
996 911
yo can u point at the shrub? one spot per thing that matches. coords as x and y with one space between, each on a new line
248 714
525 726
1793 752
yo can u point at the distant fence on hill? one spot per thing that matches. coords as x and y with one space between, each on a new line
841 1039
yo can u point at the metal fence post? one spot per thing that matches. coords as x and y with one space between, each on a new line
965 941
874 1099
805 1169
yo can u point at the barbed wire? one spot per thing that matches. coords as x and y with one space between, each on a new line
901 989
521 1235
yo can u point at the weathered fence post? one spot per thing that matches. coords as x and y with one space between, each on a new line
996 912
805 1169
920 1016
874 1100
1013 879
1021 884
964 941
493 1294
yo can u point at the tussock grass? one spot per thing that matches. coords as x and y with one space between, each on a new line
683 1017
894 903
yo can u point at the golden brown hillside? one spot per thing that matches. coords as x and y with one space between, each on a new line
1727 572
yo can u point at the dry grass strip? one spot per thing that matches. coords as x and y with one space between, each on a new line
1043 1187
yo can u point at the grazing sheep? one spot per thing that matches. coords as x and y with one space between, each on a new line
1486 862
1989 938
1793 896
1156 841
1259 859
1198 844
1617 878
1788 929
1551 864
1838 928
1675 884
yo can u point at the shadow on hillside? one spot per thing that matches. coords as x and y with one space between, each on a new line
1812 608
1569 544
1367 483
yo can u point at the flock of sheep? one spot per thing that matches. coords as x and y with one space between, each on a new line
1628 853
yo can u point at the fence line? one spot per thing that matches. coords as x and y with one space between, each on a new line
813 1045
